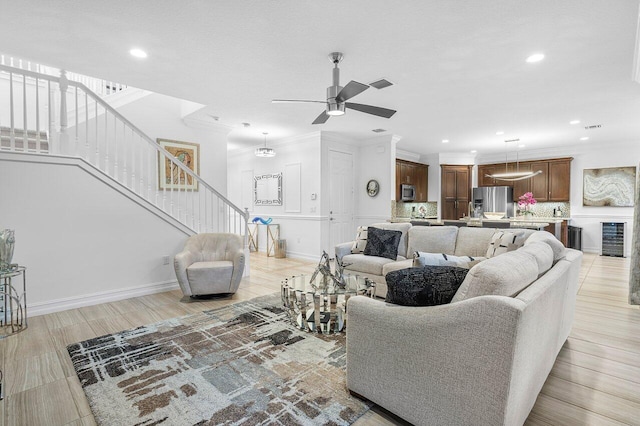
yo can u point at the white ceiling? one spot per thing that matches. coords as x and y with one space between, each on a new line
458 66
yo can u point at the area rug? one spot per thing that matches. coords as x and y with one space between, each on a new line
243 364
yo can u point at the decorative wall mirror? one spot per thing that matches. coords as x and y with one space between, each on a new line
267 190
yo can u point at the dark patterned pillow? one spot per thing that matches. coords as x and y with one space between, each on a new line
426 286
382 243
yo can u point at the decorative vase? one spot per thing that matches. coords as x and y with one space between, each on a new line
7 241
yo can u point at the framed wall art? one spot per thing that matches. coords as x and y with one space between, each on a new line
612 187
267 189
170 175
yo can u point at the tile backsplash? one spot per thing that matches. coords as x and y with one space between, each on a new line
547 209
401 209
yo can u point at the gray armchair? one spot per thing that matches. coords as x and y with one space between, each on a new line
210 264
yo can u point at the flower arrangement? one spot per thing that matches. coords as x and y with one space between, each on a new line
525 202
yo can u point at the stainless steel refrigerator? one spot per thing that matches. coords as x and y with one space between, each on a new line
493 199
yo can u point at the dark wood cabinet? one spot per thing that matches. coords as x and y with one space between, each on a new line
564 231
553 184
456 191
410 173
559 180
539 184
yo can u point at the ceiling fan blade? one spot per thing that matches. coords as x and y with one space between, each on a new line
322 118
350 90
380 112
294 101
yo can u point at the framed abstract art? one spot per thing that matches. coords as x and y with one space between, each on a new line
170 175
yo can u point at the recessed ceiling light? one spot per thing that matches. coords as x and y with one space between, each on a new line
500 132
379 130
536 57
445 140
584 138
574 122
473 151
521 145
138 53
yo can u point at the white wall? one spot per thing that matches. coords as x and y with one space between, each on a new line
79 237
375 160
307 231
81 241
159 116
302 229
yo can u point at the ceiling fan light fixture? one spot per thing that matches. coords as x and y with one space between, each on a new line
334 108
263 151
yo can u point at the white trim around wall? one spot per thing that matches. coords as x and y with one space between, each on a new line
57 305
290 216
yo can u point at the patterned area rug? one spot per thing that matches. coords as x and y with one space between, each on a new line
243 364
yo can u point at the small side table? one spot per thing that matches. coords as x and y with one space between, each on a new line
253 236
273 235
13 303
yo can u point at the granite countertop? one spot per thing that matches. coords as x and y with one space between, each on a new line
514 220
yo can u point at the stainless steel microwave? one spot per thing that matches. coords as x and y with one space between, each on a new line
408 192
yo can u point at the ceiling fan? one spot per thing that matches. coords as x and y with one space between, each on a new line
337 97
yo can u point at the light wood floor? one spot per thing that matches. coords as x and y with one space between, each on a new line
595 380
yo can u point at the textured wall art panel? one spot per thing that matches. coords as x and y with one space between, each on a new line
614 187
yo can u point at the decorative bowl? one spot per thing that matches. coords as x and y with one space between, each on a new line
494 215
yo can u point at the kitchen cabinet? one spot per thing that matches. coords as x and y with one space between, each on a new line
564 231
456 191
410 173
553 184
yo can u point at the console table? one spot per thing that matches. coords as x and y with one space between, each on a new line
273 235
13 301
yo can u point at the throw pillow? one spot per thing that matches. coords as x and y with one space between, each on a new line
382 243
502 242
427 286
440 259
361 240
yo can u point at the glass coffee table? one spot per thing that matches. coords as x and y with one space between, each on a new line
318 307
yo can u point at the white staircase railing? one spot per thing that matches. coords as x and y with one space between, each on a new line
99 86
45 114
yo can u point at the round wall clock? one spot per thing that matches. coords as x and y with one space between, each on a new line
373 187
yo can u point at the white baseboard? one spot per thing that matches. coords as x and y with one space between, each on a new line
57 305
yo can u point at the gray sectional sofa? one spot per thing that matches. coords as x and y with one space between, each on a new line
451 240
479 360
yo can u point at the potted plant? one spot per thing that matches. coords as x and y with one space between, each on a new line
525 201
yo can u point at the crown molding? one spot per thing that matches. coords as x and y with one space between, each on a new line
307 137
407 155
199 123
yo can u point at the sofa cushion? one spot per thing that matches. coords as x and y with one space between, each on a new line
503 242
433 239
382 243
427 286
421 259
547 237
361 240
396 266
206 274
367 264
473 241
402 227
504 275
542 252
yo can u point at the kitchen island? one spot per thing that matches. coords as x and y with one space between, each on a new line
539 223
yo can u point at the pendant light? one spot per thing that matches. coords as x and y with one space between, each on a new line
513 176
263 151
